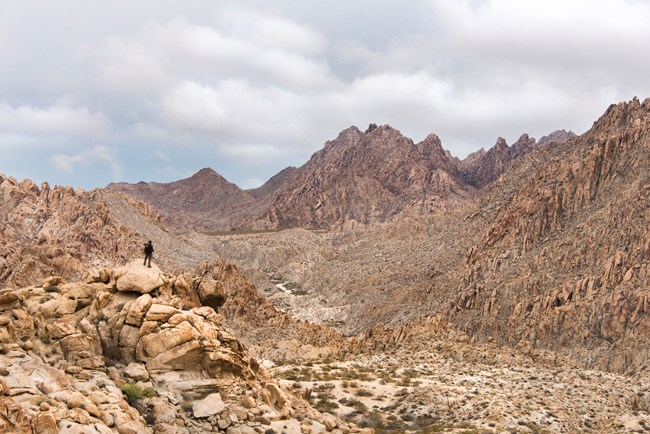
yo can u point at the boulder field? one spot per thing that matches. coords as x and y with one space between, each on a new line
132 350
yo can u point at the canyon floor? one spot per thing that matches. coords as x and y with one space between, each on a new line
450 387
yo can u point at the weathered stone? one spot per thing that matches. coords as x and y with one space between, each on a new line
136 371
248 402
208 406
138 278
329 421
138 310
52 281
44 423
222 424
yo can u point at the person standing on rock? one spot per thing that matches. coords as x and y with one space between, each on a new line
148 253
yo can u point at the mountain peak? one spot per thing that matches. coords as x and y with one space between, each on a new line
206 171
557 136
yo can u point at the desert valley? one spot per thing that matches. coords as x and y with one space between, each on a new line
384 286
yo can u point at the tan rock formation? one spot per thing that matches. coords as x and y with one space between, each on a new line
68 349
137 277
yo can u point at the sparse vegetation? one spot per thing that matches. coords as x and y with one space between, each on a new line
134 392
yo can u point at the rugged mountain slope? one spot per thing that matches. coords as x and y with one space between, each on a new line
557 136
365 177
60 230
276 182
563 261
203 201
482 168
554 255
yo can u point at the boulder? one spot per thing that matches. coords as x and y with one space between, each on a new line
137 372
44 423
208 406
136 277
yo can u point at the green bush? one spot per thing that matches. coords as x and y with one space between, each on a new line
134 392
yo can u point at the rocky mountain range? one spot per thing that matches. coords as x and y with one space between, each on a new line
432 286
366 177
552 255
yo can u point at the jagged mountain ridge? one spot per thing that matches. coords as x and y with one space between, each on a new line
483 168
366 177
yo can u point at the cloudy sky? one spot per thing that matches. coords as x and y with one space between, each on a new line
98 91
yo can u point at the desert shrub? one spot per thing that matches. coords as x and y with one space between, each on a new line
355 403
324 404
133 392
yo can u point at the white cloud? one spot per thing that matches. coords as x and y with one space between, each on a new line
236 82
53 121
251 154
233 109
272 32
179 50
97 156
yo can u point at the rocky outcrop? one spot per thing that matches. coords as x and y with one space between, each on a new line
557 136
483 168
99 356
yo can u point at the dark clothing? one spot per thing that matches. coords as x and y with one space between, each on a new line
148 253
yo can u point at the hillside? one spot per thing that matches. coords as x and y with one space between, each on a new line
562 260
201 202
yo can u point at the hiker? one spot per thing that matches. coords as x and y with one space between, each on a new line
148 253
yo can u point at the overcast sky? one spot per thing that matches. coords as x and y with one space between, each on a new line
98 91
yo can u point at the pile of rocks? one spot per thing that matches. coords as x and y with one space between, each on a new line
132 350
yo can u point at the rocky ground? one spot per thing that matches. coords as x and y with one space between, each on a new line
446 389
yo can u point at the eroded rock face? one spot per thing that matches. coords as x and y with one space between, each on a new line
59 230
80 357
